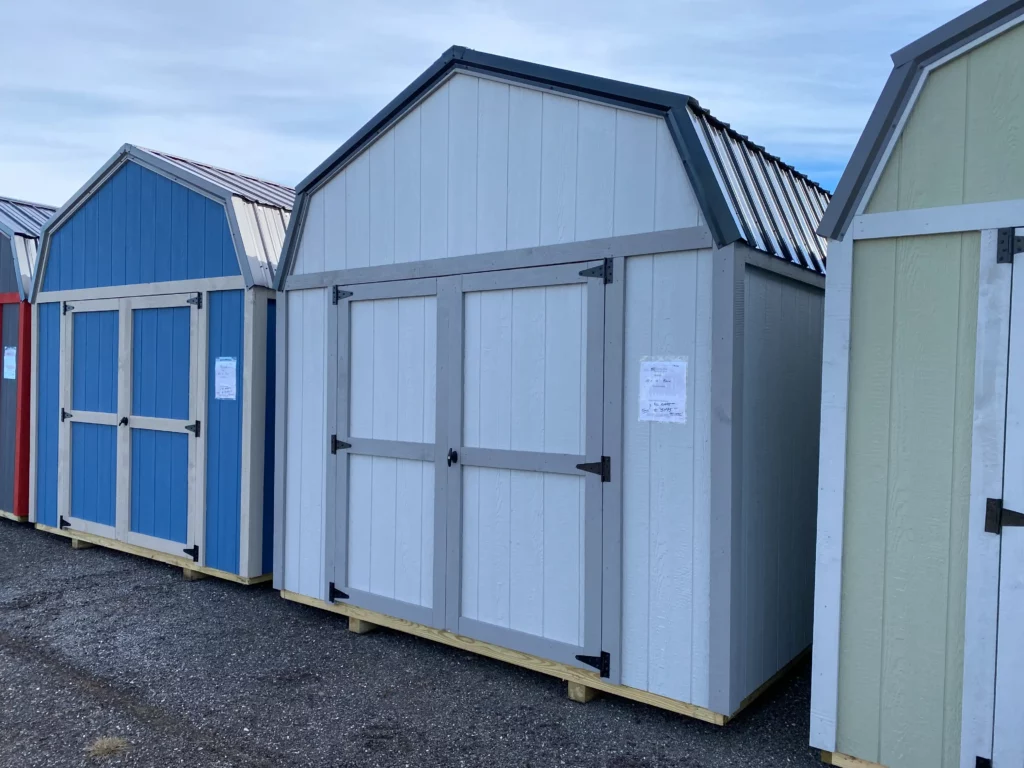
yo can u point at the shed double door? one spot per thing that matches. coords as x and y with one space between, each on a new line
128 420
468 431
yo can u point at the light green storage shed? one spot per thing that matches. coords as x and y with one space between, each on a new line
919 583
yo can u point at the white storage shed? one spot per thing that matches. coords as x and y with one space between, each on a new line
550 384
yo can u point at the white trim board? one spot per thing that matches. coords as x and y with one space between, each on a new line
831 493
134 290
972 217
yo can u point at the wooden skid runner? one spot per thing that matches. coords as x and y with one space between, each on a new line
190 570
12 516
845 761
579 679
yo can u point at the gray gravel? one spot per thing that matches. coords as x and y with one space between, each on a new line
94 643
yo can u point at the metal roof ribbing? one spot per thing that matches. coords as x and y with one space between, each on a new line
909 64
247 187
745 195
23 218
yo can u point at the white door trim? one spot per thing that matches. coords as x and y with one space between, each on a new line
937 221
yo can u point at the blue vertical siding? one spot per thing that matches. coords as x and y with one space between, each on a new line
140 227
269 443
159 484
48 418
94 371
160 362
94 472
224 435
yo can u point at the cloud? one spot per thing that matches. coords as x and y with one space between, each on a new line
272 88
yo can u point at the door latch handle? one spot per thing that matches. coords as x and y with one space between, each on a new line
453 456
123 422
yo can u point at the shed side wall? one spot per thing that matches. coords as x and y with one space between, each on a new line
48 418
140 227
8 405
912 350
482 166
784 321
269 437
961 142
8 278
666 504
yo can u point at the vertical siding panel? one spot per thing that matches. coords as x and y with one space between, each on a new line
407 188
8 405
671 493
384 478
270 439
471 504
92 265
434 178
636 495
357 214
595 174
385 427
162 231
310 387
118 233
133 224
102 202
313 237
48 410
408 515
462 164
335 232
562 557
525 124
147 228
179 232
360 505
196 256
526 552
675 205
558 170
565 366
361 391
492 175
294 440
867 478
635 163
382 200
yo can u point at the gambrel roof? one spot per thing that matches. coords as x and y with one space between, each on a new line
22 222
745 192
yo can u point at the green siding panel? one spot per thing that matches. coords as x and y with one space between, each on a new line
914 310
964 140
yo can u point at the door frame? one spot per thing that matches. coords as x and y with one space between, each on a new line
454 290
336 517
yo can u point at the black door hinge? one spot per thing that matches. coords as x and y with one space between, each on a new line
192 552
197 300
602 468
65 308
604 271
64 523
195 427
339 445
64 415
1008 245
602 663
983 762
998 517
333 593
339 294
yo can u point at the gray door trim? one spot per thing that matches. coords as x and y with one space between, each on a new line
667 241
454 290
450 292
336 523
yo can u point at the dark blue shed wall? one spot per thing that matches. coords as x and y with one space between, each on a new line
140 227
224 435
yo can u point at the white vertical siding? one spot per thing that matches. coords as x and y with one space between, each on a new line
305 439
666 474
525 389
482 166
781 417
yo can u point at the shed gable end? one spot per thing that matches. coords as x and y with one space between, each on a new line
961 142
140 227
481 165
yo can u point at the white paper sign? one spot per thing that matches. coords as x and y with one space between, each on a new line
10 362
663 391
225 370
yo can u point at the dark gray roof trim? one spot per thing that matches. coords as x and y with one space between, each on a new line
908 67
18 217
215 183
682 114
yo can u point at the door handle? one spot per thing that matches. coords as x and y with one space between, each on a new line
453 456
123 422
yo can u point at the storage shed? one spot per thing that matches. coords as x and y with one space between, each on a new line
919 609
154 357
549 384
20 225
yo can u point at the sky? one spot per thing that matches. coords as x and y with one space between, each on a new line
271 88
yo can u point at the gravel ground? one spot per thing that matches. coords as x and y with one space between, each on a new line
96 644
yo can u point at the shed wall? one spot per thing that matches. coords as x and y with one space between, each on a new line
8 264
8 405
140 227
47 397
482 166
270 425
666 473
783 324
910 413
961 142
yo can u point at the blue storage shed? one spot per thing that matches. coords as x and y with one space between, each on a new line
154 364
